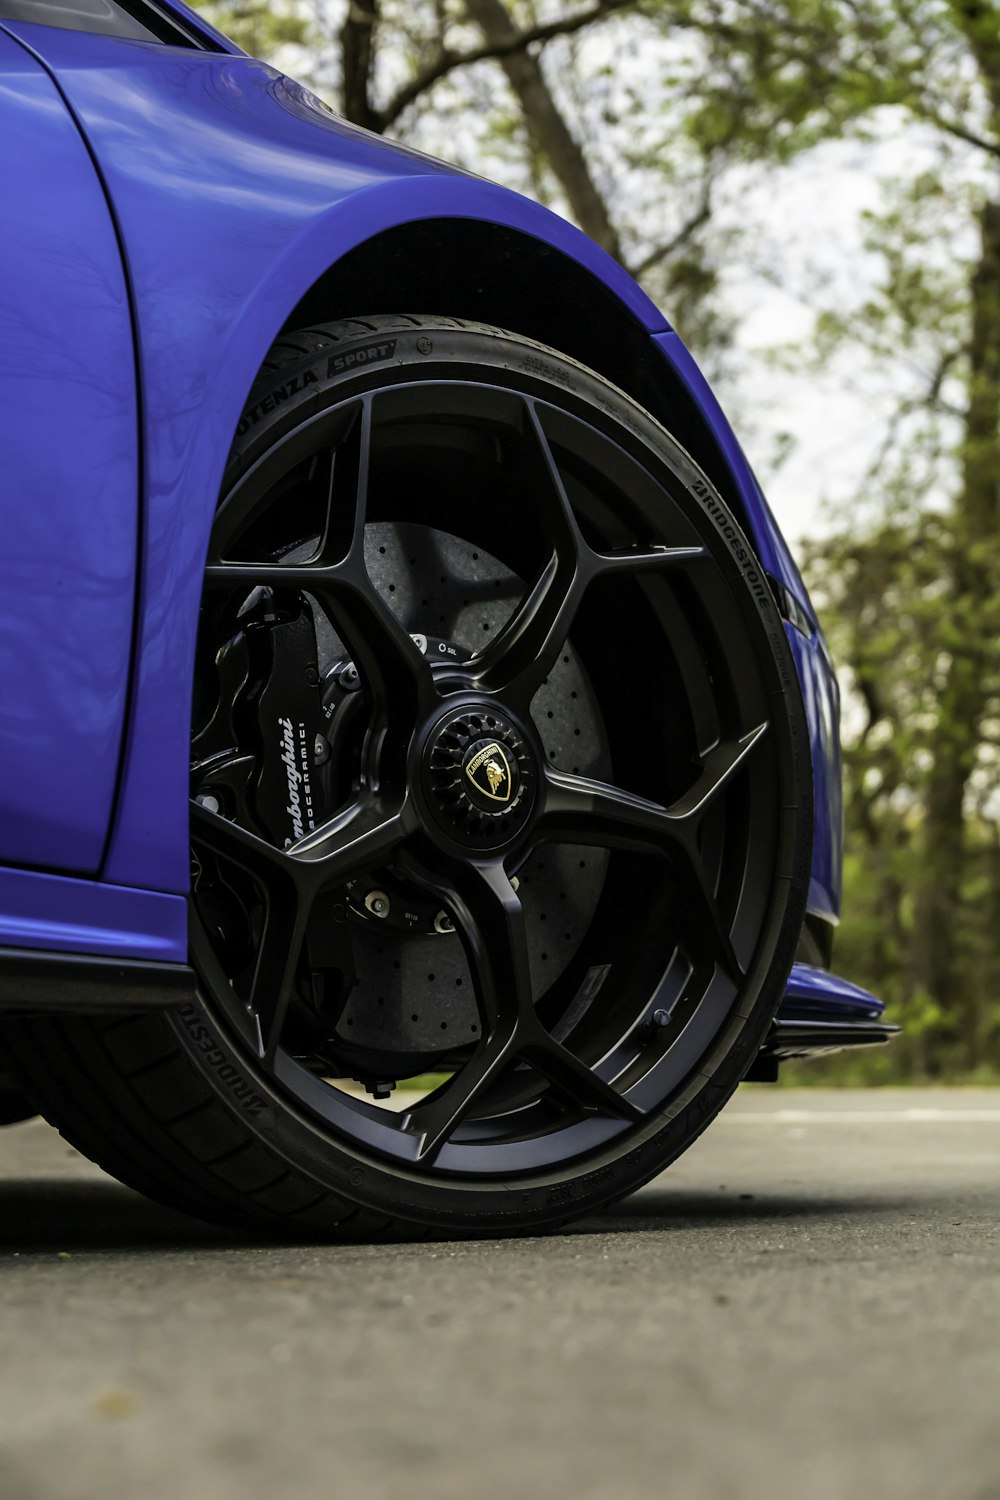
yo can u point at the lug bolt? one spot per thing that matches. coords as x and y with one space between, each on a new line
379 1088
377 902
208 802
661 1018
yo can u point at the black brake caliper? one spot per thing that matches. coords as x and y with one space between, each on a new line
291 794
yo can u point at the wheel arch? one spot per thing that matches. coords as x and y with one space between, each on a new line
491 272
403 241
488 272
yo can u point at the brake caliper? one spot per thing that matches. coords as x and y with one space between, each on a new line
290 798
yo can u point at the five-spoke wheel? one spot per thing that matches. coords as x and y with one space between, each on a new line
446 777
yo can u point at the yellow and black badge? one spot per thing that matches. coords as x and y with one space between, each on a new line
489 771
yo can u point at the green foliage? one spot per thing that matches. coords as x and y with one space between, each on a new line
894 626
260 27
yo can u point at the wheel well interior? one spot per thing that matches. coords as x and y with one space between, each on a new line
466 268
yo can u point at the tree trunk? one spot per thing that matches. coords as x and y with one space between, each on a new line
357 52
963 699
547 126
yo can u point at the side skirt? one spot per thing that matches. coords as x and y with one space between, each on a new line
32 981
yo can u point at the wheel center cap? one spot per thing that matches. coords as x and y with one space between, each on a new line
492 777
480 776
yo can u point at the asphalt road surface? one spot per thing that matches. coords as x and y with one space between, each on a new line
806 1306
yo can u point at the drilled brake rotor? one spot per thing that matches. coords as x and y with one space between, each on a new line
413 993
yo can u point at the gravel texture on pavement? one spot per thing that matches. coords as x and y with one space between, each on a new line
806 1307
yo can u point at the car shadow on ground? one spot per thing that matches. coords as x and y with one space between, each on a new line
660 1210
46 1214
42 1215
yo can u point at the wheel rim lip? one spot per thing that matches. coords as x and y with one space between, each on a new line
331 417
369 1129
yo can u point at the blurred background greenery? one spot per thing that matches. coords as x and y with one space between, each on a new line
811 191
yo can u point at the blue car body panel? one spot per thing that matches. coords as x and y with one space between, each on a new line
68 480
814 989
819 692
59 914
233 192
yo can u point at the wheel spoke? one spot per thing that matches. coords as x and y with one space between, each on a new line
518 660
391 665
346 504
238 845
360 837
285 922
648 560
578 811
718 768
572 1077
436 1120
520 657
490 920
490 923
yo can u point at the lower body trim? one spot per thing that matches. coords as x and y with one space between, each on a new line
35 981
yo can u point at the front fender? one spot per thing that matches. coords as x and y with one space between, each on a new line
232 204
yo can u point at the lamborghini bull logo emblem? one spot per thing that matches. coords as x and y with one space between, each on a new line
489 772
496 774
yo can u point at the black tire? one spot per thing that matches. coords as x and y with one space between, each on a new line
14 1107
678 683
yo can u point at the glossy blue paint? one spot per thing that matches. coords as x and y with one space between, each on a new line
809 988
86 916
235 191
822 706
68 482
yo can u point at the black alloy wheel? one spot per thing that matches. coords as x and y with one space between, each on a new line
500 796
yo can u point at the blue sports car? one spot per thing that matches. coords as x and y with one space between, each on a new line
419 787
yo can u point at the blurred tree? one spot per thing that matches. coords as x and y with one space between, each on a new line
259 26
914 601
